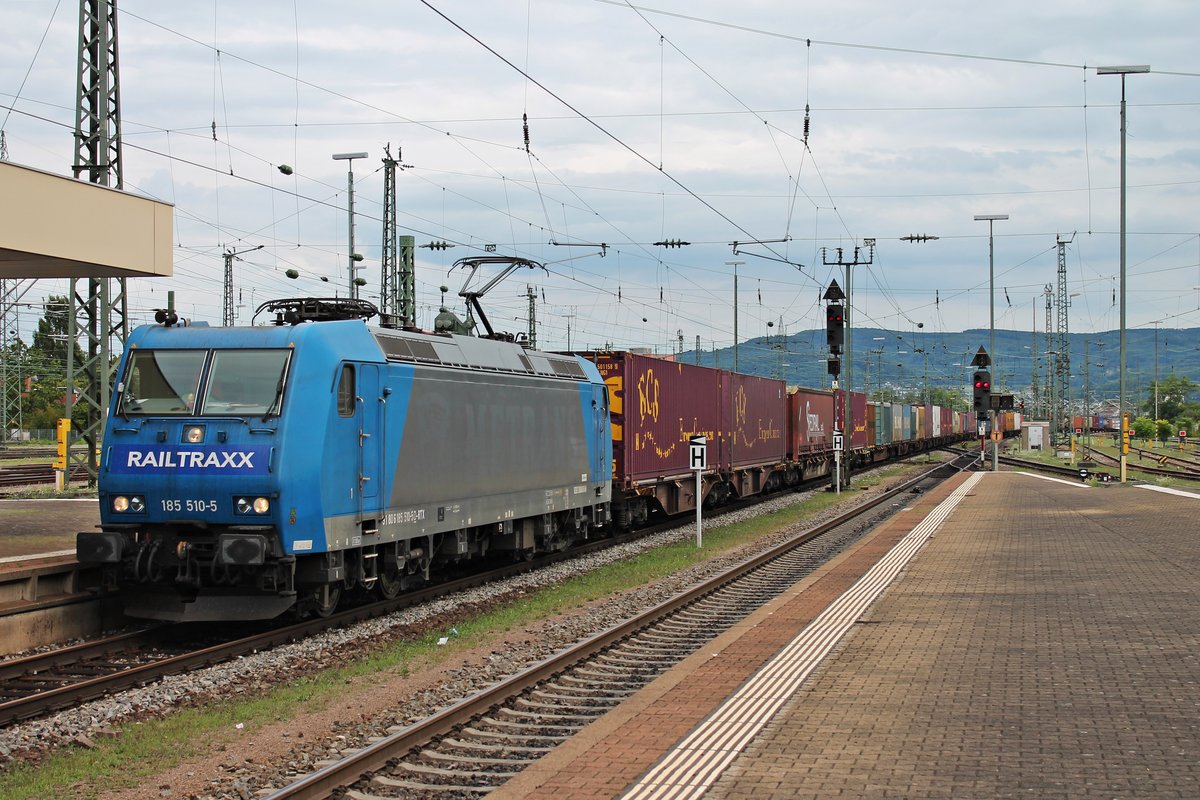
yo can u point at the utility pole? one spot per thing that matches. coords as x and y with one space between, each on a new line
735 264
11 292
397 274
1156 323
531 296
99 312
1064 345
1050 375
857 260
230 255
1035 363
389 267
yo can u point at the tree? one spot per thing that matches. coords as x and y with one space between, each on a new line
43 367
1173 392
1143 428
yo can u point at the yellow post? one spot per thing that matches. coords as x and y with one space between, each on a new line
63 431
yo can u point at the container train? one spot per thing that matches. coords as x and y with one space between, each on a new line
250 471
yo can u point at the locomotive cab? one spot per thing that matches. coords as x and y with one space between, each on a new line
188 491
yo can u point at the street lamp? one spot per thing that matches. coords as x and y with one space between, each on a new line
1123 71
354 257
991 221
735 265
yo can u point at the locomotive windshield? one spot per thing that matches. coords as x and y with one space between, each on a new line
248 382
162 382
239 382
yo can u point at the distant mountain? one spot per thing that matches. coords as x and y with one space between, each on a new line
908 359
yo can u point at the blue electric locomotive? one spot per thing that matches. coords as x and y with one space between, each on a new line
247 471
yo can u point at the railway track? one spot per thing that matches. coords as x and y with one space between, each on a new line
17 453
1190 473
476 745
35 475
45 682
1180 462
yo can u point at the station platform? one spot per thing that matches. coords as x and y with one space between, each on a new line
1005 635
43 528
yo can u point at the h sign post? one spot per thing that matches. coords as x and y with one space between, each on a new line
698 458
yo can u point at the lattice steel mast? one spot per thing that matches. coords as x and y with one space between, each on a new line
1064 346
397 277
99 312
1051 408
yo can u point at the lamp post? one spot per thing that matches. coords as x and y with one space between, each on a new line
991 221
354 257
735 265
1123 71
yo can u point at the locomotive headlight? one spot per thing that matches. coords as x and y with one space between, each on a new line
134 503
194 434
259 505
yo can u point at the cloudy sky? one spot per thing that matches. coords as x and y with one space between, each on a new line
675 121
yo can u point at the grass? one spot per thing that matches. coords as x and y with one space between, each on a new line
139 750
49 493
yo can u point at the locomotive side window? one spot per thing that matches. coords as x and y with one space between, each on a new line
345 396
162 382
246 382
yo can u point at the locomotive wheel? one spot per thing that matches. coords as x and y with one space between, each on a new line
325 600
389 585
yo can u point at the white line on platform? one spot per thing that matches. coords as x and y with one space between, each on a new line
1076 484
1168 490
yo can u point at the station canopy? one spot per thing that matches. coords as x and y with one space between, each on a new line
58 227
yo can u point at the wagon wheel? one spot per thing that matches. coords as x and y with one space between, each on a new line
389 585
325 600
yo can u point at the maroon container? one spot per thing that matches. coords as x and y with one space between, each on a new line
810 422
755 419
656 406
858 413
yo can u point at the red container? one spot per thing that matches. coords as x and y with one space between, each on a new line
858 418
656 406
755 418
810 422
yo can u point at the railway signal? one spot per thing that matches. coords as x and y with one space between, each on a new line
835 327
982 380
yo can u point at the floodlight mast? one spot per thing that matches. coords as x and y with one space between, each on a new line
354 258
1123 71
